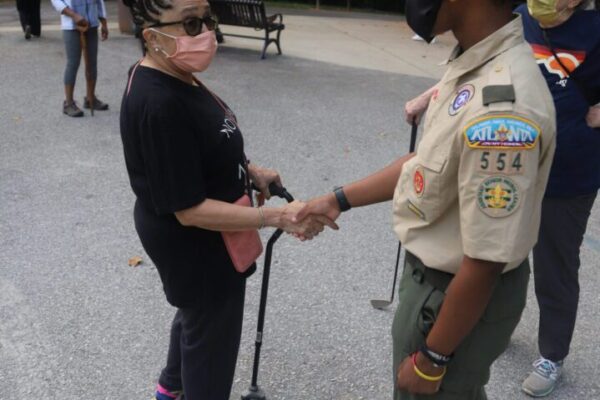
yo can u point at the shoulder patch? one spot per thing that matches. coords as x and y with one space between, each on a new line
464 94
498 196
502 131
497 94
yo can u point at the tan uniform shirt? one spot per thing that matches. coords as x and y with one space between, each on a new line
476 183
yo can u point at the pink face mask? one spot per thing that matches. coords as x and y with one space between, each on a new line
193 54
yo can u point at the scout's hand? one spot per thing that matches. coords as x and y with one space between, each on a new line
104 29
325 205
263 177
593 117
408 380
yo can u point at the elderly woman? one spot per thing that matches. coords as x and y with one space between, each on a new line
185 158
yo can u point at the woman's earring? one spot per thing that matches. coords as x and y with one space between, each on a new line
156 49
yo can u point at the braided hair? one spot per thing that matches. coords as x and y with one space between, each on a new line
147 11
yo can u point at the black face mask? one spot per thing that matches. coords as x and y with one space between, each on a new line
421 16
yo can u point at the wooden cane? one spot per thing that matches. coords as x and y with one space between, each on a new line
88 71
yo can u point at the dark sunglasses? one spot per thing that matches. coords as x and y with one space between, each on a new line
192 25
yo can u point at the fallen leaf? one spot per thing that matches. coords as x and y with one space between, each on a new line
135 261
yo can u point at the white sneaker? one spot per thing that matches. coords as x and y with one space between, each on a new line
420 39
542 381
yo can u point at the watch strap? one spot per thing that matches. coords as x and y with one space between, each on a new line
342 199
437 359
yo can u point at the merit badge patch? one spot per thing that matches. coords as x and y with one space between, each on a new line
498 196
463 95
419 181
507 132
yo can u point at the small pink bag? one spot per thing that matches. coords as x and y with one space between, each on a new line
244 247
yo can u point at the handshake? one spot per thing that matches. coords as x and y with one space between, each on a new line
304 220
307 220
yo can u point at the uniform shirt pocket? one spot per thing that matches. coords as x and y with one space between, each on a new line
428 178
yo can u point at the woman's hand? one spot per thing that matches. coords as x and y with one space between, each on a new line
103 29
263 177
415 108
593 117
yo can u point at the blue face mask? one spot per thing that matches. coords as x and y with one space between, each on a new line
421 16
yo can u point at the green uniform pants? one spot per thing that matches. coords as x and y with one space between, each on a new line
421 294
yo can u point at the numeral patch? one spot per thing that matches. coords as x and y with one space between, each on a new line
509 163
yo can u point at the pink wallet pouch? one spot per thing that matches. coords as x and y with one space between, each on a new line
244 247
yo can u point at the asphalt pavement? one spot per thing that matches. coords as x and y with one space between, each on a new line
76 322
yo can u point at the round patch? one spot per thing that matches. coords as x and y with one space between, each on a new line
498 196
463 95
419 181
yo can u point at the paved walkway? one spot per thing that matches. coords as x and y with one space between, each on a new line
361 40
77 323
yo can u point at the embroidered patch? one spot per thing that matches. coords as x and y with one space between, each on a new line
416 210
463 95
502 132
498 196
419 181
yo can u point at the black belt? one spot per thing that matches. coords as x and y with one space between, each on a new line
422 273
440 279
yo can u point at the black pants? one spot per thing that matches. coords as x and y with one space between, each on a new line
29 14
204 346
556 271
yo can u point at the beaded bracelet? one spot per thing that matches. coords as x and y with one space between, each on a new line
422 375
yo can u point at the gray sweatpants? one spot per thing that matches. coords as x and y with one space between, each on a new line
73 49
556 271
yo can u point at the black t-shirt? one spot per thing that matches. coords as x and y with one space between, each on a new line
181 146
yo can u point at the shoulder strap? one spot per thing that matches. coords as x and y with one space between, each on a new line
227 110
499 93
131 76
556 57
580 85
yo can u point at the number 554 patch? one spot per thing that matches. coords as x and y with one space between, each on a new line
502 132
492 162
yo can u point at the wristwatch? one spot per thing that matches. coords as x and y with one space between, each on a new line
438 360
341 199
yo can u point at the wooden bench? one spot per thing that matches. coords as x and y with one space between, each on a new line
250 14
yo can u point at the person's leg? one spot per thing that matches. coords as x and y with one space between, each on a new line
556 271
420 301
209 345
73 52
169 382
36 21
24 17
